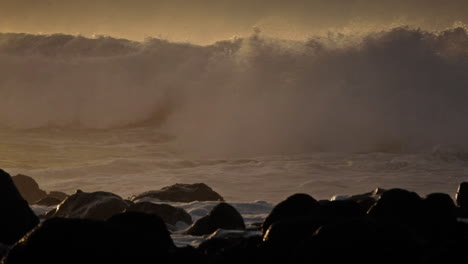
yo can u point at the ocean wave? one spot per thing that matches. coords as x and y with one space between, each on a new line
395 90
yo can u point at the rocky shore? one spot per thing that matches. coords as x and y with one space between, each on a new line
382 226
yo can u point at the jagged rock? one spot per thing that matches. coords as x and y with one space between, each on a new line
28 188
223 216
170 214
96 205
184 193
295 206
16 217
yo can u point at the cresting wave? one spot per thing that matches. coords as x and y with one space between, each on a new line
402 89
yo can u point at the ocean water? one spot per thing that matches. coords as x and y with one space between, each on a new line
255 118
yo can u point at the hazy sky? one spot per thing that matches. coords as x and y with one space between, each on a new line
208 20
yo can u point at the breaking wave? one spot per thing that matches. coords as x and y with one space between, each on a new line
401 89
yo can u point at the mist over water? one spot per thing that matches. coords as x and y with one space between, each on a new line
401 89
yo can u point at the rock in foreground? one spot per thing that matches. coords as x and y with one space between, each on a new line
16 217
184 193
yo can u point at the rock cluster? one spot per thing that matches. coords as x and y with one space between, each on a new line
384 226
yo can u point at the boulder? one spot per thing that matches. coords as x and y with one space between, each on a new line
295 206
95 205
223 216
398 206
28 188
184 193
169 214
16 217
126 238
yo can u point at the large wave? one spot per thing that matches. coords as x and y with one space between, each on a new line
398 89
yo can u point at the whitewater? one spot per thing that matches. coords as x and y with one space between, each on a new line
255 118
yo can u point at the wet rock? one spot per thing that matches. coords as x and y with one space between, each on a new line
170 214
184 193
295 206
48 201
127 238
223 216
16 217
367 200
28 188
95 205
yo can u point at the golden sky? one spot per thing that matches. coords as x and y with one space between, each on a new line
205 21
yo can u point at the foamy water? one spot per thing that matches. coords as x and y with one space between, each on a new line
131 161
255 118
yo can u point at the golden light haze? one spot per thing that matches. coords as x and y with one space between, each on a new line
205 21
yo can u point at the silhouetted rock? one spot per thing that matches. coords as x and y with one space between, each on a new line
222 216
96 205
358 241
367 200
283 236
227 246
439 217
462 196
28 188
48 201
16 218
129 238
184 193
398 205
170 214
340 210
295 206
148 227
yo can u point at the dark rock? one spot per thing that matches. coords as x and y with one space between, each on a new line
58 195
28 188
48 201
149 227
462 195
170 214
184 193
439 217
358 241
230 247
96 205
283 236
398 205
16 218
367 200
223 216
295 206
128 238
341 210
